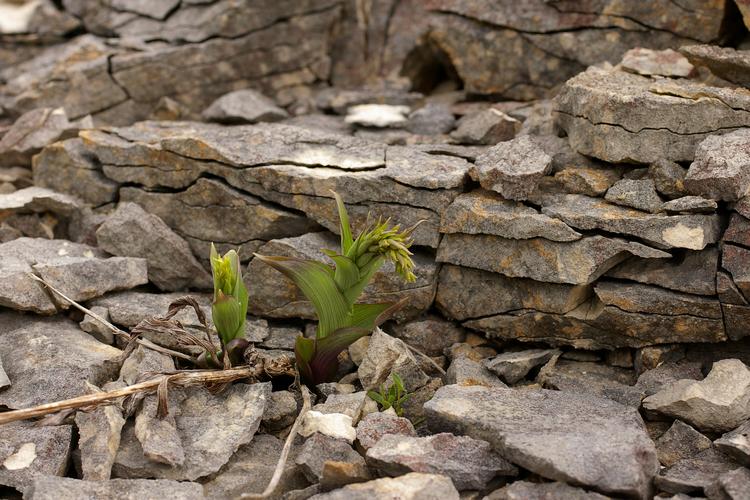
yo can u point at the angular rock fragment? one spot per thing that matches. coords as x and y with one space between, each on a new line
585 377
465 371
736 260
337 426
725 62
319 449
79 271
377 115
70 359
721 169
386 355
577 263
28 452
35 200
99 331
676 231
588 180
513 366
469 463
512 168
718 403
65 488
339 474
656 62
695 474
132 232
244 106
431 335
281 411
734 485
568 437
412 486
99 439
432 119
634 297
595 109
639 194
487 127
352 405
736 444
690 205
485 212
668 177
376 425
679 442
738 230
526 490
4 380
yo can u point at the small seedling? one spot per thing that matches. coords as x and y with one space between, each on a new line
392 397
334 291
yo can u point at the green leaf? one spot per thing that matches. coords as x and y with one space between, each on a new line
397 381
366 315
345 227
226 314
377 397
316 282
365 276
346 274
304 352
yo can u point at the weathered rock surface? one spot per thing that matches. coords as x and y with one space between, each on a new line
656 62
526 490
386 355
513 366
374 426
412 486
36 200
49 359
431 119
690 205
487 127
679 442
668 177
735 259
319 449
132 232
336 426
98 440
465 371
738 230
28 452
734 485
718 403
721 170
244 106
695 474
736 443
595 109
469 463
65 488
431 335
31 132
579 438
637 298
584 377
725 62
639 194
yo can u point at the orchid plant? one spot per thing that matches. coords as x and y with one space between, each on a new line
334 291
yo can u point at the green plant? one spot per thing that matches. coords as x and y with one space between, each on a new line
392 397
334 291
228 309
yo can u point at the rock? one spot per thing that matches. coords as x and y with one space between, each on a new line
464 371
386 355
469 463
512 168
377 115
273 295
734 485
93 326
633 297
281 411
690 205
374 426
718 403
535 429
49 360
526 490
736 443
485 212
735 260
488 127
4 380
724 62
595 109
355 405
79 271
656 62
638 194
334 425
319 449
513 366
431 119
727 291
738 230
591 180
676 231
694 273
65 488
99 439
28 452
577 263
132 232
668 177
251 467
695 474
36 200
470 293
339 474
679 442
244 106
431 335
585 377
208 442
31 132
281 338
412 486
721 169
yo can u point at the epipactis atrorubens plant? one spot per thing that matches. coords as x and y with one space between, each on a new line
228 310
333 291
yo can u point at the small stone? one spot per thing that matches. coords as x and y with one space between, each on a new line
4 380
281 338
319 449
679 442
526 490
738 230
513 366
465 372
693 475
668 177
721 169
349 404
99 439
334 425
725 62
386 355
377 115
727 290
736 443
37 200
431 335
31 132
584 377
734 485
656 62
690 205
736 260
412 486
432 119
65 488
339 474
718 403
244 106
281 411
638 194
488 127
95 327
468 462
512 168
132 232
28 452
591 181
376 425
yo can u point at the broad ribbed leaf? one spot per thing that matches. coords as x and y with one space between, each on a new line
366 315
365 275
317 284
304 351
346 229
325 363
227 317
346 274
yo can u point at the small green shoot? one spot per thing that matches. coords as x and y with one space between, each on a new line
392 397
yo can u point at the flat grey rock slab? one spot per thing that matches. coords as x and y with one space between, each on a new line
736 443
65 488
656 62
375 426
728 63
721 169
679 442
695 474
526 490
513 366
412 486
635 193
244 106
568 437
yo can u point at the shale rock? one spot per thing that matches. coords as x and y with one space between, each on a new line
469 463
725 62
656 62
690 205
386 355
37 200
244 106
373 427
99 439
679 442
638 194
412 486
31 132
486 127
65 488
695 474
526 490
721 170
736 443
513 366
538 430
319 449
